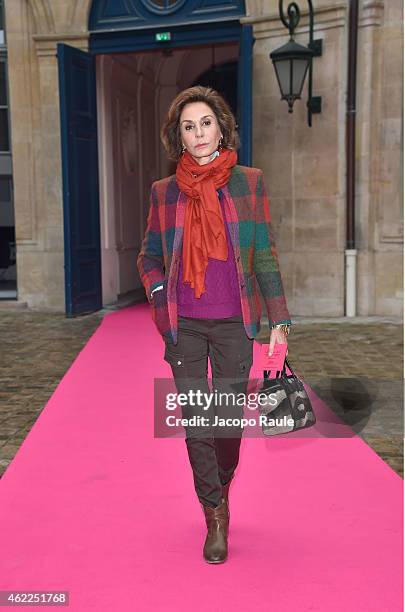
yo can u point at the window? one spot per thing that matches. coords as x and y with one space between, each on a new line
164 4
4 127
4 120
2 25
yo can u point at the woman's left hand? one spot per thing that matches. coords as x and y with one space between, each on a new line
279 336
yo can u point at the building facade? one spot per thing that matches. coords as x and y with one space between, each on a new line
85 87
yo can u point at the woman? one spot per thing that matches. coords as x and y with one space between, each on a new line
208 246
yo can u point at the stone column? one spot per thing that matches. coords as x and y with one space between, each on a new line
35 129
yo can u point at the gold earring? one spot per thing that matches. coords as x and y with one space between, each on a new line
220 143
183 149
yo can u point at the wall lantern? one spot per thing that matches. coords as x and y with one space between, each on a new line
292 61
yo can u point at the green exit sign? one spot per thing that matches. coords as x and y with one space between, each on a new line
163 36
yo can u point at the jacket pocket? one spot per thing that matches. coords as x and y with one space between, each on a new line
245 363
176 360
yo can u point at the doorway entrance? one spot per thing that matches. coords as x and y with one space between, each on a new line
134 91
113 100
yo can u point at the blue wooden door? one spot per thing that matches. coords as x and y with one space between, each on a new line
245 95
81 212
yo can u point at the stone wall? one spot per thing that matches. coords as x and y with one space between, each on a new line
304 167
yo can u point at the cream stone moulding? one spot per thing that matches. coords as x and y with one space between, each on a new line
46 43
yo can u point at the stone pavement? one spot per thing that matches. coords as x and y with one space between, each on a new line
354 365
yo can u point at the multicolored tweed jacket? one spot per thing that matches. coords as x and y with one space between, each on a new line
248 218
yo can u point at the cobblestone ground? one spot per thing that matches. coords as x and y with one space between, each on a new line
356 367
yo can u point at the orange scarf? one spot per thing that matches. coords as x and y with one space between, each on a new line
204 228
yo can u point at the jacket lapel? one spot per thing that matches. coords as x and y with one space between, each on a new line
180 216
231 216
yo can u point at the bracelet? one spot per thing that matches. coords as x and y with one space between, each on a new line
285 327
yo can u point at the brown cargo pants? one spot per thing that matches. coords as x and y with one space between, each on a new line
213 450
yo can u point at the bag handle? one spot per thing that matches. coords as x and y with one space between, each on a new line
289 367
281 372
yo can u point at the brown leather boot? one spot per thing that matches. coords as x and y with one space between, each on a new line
225 491
225 494
216 542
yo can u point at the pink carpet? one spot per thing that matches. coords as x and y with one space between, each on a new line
95 505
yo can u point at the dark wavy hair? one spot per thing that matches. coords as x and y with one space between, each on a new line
170 130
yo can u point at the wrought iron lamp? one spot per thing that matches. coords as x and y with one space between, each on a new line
292 61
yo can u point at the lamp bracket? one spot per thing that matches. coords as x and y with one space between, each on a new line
314 104
316 46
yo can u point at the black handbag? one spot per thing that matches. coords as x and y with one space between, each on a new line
287 406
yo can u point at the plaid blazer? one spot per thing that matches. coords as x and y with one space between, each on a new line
247 214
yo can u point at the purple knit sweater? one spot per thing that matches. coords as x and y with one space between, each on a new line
221 299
